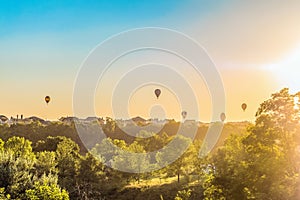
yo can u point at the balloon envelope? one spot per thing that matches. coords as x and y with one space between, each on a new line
184 114
223 117
47 99
157 92
244 106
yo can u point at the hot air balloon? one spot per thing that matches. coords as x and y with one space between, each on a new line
183 114
244 106
157 92
222 117
47 99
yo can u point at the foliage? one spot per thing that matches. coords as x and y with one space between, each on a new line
45 163
16 166
45 190
4 196
183 195
90 175
181 162
67 155
264 162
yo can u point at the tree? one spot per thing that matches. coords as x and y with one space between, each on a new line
126 161
183 195
46 163
49 144
67 154
211 190
1 145
45 189
106 150
152 142
89 178
4 196
109 126
16 166
19 147
227 172
181 164
264 162
271 147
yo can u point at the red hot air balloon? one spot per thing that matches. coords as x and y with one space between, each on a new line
222 117
47 99
244 106
157 92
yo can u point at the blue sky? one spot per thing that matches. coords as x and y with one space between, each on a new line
61 33
27 17
64 16
43 43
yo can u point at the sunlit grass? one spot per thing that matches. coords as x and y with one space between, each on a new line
153 182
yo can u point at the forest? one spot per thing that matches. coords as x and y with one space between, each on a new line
257 160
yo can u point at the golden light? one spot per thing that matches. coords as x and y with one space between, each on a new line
296 102
287 70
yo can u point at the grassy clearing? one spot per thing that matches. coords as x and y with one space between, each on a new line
155 189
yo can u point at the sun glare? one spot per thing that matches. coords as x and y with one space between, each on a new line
287 70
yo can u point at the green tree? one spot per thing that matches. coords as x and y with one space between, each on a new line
68 157
182 164
183 195
46 189
3 195
109 126
16 166
127 161
211 190
271 147
89 178
48 144
46 163
226 173
1 145
264 162
19 147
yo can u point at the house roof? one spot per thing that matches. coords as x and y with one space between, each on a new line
34 118
138 119
3 118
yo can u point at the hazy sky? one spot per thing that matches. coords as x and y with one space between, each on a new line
254 44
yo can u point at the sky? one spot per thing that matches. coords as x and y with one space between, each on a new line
255 46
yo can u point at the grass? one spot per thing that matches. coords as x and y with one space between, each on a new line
154 189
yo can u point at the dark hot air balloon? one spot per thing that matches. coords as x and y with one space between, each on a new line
47 99
244 106
157 92
183 114
222 117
